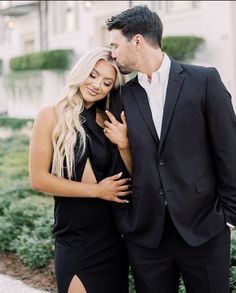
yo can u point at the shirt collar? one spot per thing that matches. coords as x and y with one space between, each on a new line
161 73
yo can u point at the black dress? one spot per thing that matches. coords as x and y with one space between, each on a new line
88 244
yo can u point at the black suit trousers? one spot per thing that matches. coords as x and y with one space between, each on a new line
204 268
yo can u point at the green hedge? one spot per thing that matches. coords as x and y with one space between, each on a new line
14 123
181 48
26 229
54 59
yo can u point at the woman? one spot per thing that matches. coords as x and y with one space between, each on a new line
71 158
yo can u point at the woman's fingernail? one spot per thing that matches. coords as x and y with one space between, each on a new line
126 201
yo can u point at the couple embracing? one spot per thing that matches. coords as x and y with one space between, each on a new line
143 173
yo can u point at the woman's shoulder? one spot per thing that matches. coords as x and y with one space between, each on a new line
46 116
47 111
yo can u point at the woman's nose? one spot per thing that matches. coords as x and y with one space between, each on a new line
96 84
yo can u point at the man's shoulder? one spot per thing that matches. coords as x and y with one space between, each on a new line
194 68
130 82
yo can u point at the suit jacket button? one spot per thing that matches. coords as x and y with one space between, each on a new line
162 163
162 192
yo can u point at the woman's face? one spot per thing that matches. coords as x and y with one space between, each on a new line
99 83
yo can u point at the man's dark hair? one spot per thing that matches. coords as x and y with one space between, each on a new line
138 20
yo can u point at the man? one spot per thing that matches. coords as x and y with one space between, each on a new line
182 134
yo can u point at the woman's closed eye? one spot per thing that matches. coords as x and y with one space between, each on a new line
92 75
108 84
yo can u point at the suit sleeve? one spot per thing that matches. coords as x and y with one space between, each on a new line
116 103
117 166
221 123
116 107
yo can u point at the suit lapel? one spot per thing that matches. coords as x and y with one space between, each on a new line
173 89
141 99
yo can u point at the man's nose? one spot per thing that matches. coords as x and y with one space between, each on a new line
113 54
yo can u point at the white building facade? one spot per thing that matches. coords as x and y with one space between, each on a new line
29 26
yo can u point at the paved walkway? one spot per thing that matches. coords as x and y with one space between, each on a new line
10 285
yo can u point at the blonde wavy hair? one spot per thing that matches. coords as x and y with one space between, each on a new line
68 121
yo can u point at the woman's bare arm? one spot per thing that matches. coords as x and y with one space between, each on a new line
40 158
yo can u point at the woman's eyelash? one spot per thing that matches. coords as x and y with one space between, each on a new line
93 76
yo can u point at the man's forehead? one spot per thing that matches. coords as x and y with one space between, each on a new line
116 36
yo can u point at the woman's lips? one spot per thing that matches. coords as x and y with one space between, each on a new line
92 92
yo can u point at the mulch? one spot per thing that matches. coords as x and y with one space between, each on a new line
43 279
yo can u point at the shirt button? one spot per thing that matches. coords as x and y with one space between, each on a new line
162 163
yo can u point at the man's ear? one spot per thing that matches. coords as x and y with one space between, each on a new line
137 41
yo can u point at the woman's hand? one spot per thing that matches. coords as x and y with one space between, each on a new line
111 188
117 132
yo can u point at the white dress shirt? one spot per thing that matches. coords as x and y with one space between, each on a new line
156 91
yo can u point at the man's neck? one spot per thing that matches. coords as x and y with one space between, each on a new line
151 61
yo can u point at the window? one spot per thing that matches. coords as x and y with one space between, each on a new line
70 16
28 43
174 6
6 25
28 46
64 16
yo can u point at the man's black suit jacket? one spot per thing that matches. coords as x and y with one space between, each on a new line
192 166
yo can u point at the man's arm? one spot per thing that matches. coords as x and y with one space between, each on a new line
221 122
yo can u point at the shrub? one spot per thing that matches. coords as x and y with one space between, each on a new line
54 59
33 251
233 248
5 202
22 215
26 217
14 123
8 234
182 48
233 279
24 212
36 248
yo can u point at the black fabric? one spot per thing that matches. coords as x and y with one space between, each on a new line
193 165
191 169
87 241
204 268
